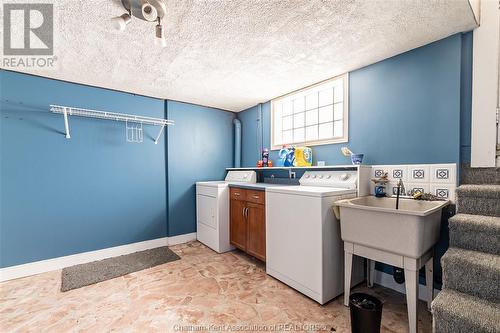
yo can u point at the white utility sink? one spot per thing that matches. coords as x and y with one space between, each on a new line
374 229
410 230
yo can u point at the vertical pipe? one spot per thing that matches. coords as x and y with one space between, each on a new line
261 124
258 132
237 143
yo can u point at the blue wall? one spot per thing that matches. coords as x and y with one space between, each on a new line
200 147
60 197
253 134
406 109
411 108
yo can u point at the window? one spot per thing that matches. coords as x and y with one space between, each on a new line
312 116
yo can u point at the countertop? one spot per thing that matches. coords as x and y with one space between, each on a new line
256 186
312 167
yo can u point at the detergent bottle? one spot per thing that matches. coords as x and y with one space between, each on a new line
282 156
303 157
290 157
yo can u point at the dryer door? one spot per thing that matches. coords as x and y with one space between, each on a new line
206 210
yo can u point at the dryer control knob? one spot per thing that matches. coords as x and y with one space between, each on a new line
320 176
313 176
344 176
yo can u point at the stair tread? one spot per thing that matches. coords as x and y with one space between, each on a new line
475 175
472 272
490 191
478 199
482 220
475 232
464 312
473 258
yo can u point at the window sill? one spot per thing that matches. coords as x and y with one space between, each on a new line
312 143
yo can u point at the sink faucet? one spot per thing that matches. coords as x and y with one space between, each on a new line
401 189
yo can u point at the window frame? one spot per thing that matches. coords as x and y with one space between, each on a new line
345 114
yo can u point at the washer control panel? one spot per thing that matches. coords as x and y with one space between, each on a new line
337 178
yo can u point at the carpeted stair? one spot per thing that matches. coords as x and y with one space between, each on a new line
475 232
479 199
470 299
455 312
485 176
480 270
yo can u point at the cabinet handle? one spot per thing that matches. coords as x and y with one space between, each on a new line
237 194
255 196
244 212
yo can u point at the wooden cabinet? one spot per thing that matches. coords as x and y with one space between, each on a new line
238 225
256 230
248 221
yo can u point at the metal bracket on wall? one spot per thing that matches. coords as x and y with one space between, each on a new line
159 134
66 124
67 111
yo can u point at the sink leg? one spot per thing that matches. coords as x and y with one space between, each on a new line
370 268
347 276
429 281
411 278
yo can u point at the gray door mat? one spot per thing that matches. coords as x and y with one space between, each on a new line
97 271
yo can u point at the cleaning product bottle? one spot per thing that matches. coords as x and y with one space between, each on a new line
290 157
303 157
282 156
265 157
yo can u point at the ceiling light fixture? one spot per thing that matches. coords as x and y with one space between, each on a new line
160 35
147 10
120 22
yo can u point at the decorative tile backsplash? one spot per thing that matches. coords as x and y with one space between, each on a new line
418 174
438 179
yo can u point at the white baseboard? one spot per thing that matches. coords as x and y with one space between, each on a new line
37 267
386 280
180 239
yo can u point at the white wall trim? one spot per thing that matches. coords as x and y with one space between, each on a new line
386 280
485 87
37 267
180 239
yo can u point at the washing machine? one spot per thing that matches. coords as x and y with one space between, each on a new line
303 245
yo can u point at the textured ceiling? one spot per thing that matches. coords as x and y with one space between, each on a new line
235 54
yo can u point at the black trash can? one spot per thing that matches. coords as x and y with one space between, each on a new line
366 313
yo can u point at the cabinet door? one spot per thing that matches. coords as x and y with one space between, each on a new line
238 224
256 239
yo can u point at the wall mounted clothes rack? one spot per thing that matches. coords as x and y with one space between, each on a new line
67 111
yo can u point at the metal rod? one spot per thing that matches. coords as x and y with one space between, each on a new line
66 125
159 134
